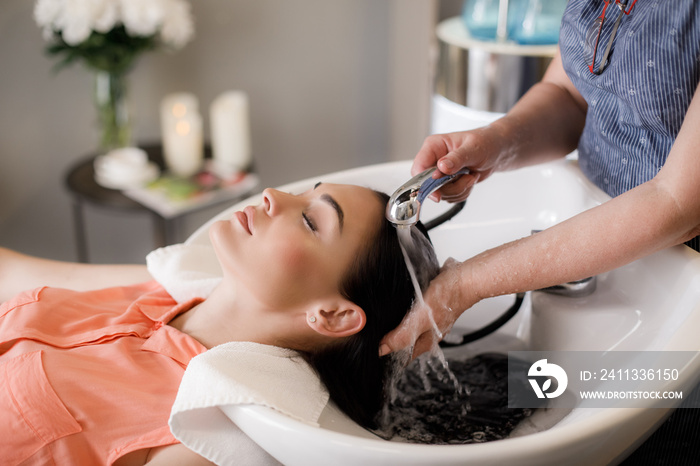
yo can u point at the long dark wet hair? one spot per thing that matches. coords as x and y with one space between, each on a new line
379 282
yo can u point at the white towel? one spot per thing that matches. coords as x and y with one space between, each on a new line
186 271
242 373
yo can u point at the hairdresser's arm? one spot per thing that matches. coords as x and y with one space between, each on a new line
662 212
546 123
20 272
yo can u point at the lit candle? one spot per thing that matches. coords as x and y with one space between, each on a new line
177 105
230 132
183 147
181 128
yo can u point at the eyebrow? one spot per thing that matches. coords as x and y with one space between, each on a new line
333 203
338 210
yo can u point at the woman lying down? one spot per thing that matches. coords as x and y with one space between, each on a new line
91 361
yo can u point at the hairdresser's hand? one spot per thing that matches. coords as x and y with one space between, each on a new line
447 298
478 150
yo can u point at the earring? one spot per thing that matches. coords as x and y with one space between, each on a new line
312 319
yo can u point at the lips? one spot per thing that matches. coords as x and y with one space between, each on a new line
245 218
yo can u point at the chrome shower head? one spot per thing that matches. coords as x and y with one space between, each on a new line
404 205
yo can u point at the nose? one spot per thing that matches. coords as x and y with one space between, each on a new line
274 201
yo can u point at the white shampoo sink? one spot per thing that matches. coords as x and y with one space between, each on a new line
652 304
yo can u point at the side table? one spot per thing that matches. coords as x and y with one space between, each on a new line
81 184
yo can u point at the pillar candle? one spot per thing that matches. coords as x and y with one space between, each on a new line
181 129
230 132
183 147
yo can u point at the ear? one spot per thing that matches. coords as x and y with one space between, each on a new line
341 320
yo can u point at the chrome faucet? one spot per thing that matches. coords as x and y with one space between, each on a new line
404 205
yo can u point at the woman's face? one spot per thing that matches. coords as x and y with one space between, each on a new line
291 249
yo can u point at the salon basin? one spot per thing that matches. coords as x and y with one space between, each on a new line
651 304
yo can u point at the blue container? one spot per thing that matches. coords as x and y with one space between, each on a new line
536 22
481 18
530 22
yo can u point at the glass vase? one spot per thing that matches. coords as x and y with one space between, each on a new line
112 112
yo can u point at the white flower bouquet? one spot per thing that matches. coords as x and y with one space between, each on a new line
108 35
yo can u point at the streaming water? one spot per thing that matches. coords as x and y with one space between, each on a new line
436 401
413 248
409 249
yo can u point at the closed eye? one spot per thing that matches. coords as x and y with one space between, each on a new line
309 222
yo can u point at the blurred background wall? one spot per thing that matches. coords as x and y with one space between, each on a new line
332 85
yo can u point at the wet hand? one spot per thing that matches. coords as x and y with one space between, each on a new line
427 323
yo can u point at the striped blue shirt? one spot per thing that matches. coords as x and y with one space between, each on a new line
637 104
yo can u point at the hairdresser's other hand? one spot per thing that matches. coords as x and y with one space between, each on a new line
478 150
447 300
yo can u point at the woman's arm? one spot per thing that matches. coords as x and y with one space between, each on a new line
546 123
20 272
662 212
